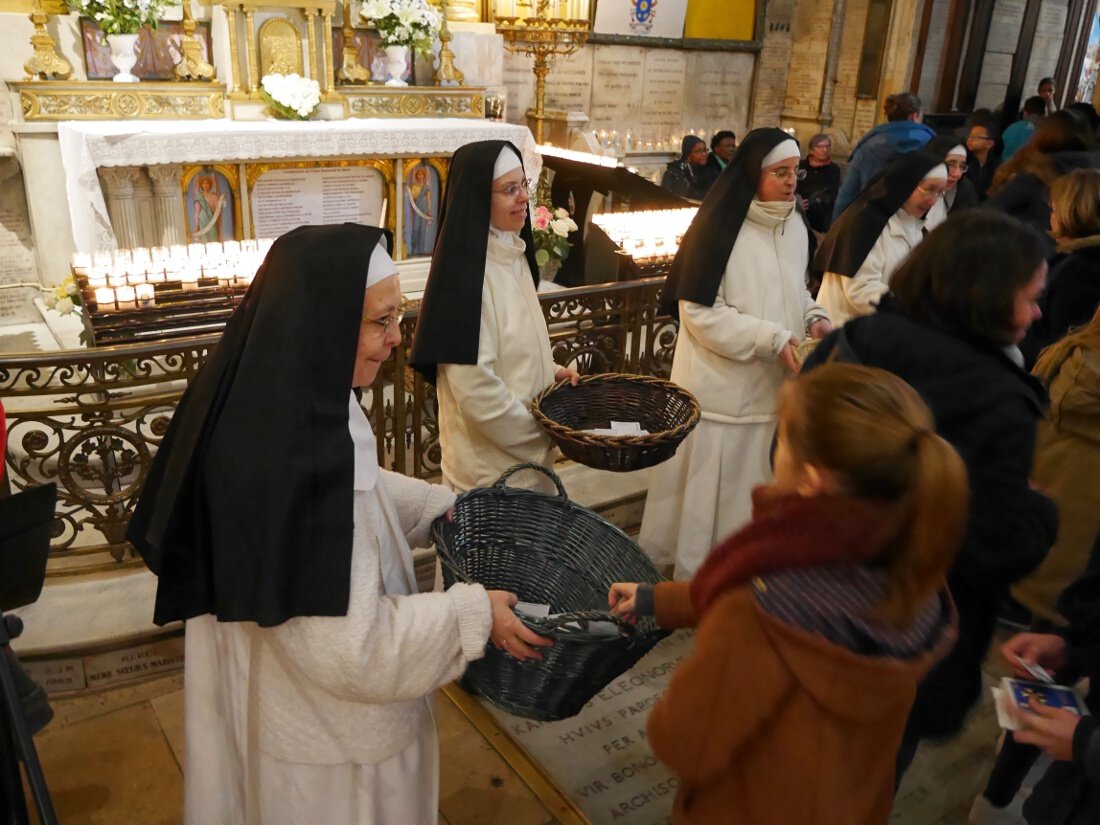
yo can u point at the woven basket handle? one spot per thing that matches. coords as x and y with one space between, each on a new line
530 465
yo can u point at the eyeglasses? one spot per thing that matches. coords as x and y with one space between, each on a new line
955 166
786 173
389 323
514 189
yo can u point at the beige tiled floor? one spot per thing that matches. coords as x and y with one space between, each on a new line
116 757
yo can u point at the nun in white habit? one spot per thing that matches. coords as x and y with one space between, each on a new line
481 337
876 233
738 284
959 193
278 539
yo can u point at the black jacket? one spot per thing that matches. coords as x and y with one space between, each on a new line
683 179
1070 299
1069 792
705 176
988 409
819 187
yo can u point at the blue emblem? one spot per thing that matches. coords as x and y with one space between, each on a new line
641 15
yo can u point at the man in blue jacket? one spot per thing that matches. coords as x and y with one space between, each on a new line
903 132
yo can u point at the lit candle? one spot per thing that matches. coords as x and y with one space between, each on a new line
155 276
102 258
96 279
177 251
116 279
105 299
134 278
125 297
189 279
231 247
196 251
80 262
145 295
142 258
213 249
122 258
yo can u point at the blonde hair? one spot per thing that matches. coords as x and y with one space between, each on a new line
1076 199
1051 359
876 435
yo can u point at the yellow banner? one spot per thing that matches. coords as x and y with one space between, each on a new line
720 19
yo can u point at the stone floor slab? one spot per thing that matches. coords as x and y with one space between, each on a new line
114 768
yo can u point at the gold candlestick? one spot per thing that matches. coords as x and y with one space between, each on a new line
191 65
45 63
351 70
447 74
542 37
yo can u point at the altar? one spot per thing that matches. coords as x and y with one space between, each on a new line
128 184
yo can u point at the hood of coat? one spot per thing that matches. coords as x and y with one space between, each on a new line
854 686
888 139
1075 394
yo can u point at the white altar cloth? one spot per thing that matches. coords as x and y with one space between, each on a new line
85 146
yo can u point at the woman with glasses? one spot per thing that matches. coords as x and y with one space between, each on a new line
738 286
819 182
481 337
284 546
958 194
876 233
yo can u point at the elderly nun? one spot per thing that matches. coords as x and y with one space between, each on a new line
284 546
738 286
481 337
876 233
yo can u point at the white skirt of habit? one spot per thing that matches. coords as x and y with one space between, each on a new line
228 780
704 492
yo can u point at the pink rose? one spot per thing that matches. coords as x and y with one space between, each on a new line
542 218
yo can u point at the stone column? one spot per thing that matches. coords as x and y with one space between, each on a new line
168 217
118 189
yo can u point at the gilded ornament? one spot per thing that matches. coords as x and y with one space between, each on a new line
45 63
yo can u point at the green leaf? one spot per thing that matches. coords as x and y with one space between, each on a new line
541 257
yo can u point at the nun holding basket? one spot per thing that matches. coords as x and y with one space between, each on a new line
738 286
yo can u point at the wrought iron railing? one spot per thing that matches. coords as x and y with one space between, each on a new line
91 420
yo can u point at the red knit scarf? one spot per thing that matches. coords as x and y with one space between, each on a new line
788 532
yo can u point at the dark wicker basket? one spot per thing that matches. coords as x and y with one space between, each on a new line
546 550
667 411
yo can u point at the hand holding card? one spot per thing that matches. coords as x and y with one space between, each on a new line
1016 699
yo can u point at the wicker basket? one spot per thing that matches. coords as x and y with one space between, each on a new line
546 550
668 412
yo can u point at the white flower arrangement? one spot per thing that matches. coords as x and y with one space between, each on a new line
65 299
290 96
122 16
403 22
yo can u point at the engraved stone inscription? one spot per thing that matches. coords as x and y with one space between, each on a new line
283 199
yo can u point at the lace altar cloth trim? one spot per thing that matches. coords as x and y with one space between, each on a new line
87 146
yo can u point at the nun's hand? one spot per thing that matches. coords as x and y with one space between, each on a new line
820 328
565 372
786 355
509 633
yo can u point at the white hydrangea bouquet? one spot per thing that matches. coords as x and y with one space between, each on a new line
121 16
290 96
403 22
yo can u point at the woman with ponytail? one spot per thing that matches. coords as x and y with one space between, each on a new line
818 619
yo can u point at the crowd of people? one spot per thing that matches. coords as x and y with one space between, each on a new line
899 377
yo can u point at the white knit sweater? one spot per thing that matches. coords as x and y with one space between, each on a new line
347 689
